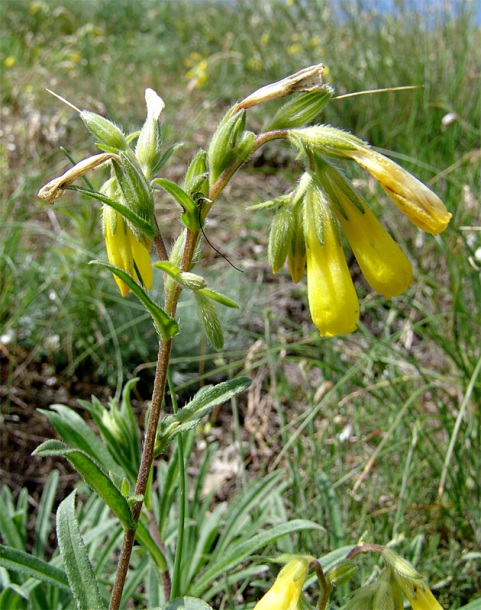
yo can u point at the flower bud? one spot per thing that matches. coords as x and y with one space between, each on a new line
149 144
110 136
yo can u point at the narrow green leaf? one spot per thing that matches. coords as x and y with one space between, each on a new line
240 552
201 405
210 320
166 326
137 221
94 476
219 298
43 525
79 570
166 156
75 432
190 216
34 567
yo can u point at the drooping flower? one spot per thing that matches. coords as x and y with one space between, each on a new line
381 260
125 251
411 583
286 590
333 301
412 197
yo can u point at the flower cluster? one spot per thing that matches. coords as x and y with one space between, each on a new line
307 226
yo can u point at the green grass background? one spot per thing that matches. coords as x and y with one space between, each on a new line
379 432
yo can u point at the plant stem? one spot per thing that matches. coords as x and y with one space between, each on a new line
147 458
144 469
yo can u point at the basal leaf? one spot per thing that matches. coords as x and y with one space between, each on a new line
79 570
34 567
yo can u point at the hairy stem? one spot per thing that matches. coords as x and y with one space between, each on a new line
147 458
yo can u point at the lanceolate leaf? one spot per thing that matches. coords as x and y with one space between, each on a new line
240 552
19 561
137 221
185 603
166 326
94 476
79 570
202 404
190 216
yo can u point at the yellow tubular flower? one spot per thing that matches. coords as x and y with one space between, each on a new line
125 251
382 262
411 583
412 197
286 591
332 298
419 595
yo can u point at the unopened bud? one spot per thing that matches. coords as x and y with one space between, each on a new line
106 132
149 143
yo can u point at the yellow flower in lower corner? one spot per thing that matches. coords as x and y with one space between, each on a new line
332 297
286 591
125 251
411 583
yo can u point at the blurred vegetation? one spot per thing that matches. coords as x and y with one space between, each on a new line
381 428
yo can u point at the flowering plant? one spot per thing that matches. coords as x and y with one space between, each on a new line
305 231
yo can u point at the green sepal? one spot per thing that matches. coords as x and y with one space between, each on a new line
146 227
196 176
164 158
271 203
218 298
166 326
110 136
134 187
210 320
203 403
223 146
341 573
94 476
315 207
336 186
80 573
280 237
190 215
300 110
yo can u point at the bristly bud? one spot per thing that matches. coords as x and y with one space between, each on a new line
223 146
301 110
149 144
196 176
281 235
110 137
135 190
410 582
